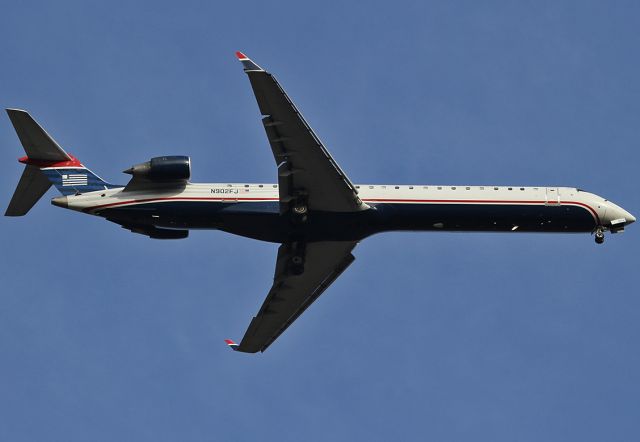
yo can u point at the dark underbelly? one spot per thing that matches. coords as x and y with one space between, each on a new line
262 220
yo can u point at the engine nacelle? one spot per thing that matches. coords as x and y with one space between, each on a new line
163 169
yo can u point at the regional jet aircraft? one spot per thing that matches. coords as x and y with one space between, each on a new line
314 212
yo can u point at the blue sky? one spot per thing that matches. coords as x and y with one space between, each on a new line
107 335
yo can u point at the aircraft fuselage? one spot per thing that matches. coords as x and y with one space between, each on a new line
253 211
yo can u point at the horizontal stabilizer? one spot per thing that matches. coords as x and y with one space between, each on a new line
32 185
37 143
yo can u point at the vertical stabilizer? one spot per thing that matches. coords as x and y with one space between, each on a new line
46 164
37 143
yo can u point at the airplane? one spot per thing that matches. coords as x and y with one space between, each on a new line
314 212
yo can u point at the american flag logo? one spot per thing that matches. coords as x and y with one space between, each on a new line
79 179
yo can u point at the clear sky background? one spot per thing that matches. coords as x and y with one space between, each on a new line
106 335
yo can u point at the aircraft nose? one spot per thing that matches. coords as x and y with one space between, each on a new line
617 215
628 218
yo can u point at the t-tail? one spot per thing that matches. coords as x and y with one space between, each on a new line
46 164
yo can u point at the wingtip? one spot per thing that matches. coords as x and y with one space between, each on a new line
13 109
248 64
231 344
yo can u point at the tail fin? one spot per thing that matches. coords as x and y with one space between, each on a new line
47 163
37 143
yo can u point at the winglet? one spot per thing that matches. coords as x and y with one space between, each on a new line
247 63
231 344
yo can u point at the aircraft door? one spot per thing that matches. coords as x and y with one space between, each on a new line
553 196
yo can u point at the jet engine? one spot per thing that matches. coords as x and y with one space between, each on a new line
163 169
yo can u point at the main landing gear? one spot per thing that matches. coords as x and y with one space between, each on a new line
299 210
599 235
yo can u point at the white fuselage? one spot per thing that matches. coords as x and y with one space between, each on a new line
602 210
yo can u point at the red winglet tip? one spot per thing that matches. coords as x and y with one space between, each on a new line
241 56
232 345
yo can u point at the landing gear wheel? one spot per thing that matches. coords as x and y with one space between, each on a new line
300 210
599 236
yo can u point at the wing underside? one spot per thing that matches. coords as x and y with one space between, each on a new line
307 173
303 272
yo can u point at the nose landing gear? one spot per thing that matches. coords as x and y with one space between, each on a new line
599 235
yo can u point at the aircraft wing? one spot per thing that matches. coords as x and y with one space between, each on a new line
307 174
303 272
